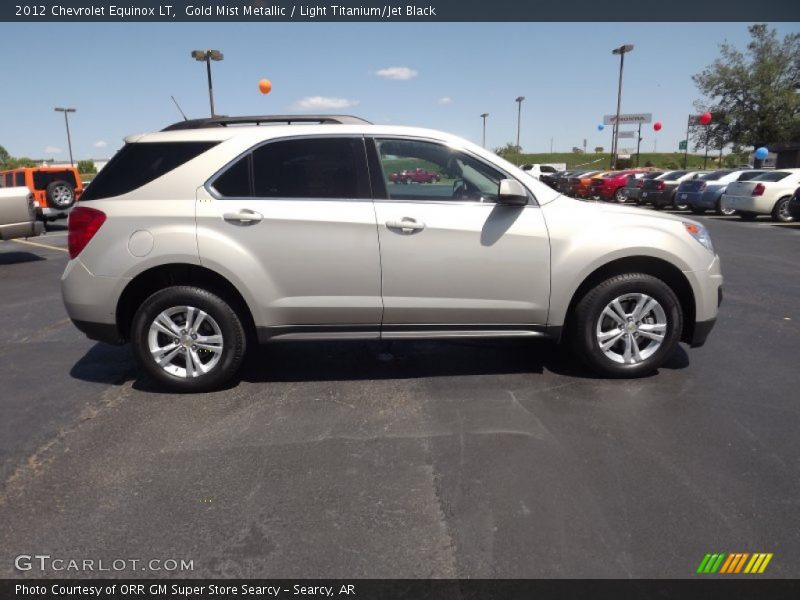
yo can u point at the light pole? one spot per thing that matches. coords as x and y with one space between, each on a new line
519 100
622 50
66 122
207 56
483 139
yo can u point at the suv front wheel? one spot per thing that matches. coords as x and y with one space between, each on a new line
188 339
627 326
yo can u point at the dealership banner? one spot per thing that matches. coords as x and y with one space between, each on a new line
631 119
261 11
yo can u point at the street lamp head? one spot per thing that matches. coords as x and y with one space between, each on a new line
201 55
519 99
622 49
484 115
64 110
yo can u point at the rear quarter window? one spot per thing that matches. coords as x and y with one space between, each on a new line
140 163
771 176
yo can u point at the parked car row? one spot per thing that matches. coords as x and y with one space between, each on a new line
743 191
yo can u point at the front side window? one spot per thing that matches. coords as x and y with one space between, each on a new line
298 168
415 170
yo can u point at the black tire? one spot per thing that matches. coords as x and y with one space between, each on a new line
747 216
229 323
697 210
780 212
584 321
60 194
619 196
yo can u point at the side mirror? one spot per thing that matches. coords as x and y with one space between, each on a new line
512 193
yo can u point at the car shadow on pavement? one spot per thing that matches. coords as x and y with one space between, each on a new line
365 360
333 361
15 258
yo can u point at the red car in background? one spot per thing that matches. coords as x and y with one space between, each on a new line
417 175
610 186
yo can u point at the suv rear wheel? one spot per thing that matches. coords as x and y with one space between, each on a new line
60 195
627 326
188 339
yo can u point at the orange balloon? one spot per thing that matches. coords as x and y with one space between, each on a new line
265 86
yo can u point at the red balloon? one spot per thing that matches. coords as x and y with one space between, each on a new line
657 125
705 118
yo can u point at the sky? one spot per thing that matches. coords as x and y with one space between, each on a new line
120 77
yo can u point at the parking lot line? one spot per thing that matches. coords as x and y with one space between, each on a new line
40 245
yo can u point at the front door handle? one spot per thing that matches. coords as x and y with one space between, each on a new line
406 225
243 217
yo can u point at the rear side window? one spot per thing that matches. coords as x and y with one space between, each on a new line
547 169
19 178
771 176
674 175
140 163
300 168
748 175
41 179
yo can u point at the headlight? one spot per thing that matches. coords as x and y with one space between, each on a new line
701 234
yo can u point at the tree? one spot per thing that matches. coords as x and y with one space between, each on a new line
86 166
4 157
754 90
509 151
598 149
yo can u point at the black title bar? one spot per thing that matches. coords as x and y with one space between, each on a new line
261 11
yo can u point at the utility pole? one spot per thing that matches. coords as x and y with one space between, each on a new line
483 116
622 50
519 100
66 111
207 56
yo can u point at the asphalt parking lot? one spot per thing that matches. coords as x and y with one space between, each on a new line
447 459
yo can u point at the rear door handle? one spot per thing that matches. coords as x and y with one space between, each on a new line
243 217
406 225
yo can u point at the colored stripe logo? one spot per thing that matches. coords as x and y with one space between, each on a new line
734 563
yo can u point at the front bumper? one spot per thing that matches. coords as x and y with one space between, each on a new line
707 288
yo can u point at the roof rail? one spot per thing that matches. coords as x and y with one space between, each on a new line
221 121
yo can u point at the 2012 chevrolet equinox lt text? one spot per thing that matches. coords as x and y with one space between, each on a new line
200 239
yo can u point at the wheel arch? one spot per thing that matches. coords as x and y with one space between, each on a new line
649 265
150 281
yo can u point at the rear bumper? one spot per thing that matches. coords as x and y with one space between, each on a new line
653 197
754 204
100 332
21 230
56 213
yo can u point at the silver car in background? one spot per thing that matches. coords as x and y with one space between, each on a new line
199 240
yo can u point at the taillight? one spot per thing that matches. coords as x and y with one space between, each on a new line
639 183
662 185
759 189
83 223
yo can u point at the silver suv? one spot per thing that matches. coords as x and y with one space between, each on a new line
199 240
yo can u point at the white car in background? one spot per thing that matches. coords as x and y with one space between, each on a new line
18 214
765 194
536 170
